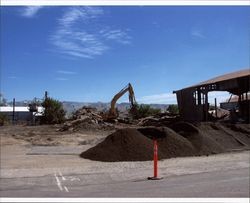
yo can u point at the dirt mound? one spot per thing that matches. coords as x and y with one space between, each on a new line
170 143
134 145
123 145
243 128
184 127
181 139
229 136
175 145
203 144
153 132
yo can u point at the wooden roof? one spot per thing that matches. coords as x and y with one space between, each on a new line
228 76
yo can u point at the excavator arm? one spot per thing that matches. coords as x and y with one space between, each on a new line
128 88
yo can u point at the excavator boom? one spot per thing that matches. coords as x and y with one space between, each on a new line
128 88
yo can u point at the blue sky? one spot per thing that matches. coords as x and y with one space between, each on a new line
90 53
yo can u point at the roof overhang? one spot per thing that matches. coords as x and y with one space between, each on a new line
220 79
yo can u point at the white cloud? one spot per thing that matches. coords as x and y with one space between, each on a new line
79 44
116 35
165 98
66 72
30 11
197 33
78 33
83 13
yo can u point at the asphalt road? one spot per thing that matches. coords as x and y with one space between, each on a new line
228 183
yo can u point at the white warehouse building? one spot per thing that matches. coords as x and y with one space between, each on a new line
21 113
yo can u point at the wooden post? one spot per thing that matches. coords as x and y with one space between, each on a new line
199 97
215 104
206 104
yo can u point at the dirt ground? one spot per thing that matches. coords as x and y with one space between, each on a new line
35 157
18 161
203 136
49 135
26 146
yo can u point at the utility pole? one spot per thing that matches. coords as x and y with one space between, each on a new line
13 113
46 95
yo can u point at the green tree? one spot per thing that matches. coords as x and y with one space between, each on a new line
53 111
3 101
33 105
144 110
173 108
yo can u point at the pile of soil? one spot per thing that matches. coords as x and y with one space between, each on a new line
132 145
175 145
180 140
123 145
203 144
230 136
170 143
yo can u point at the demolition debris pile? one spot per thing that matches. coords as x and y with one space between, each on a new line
167 118
158 120
184 139
86 118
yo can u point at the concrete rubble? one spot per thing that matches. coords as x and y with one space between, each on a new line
86 118
90 118
161 119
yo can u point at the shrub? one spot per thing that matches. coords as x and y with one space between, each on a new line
3 101
173 108
53 112
143 110
3 119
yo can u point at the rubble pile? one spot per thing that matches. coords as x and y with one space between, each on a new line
166 119
86 118
86 111
219 114
162 119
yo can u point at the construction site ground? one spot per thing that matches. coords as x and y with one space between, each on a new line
40 161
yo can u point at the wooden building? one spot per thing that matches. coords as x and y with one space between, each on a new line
193 101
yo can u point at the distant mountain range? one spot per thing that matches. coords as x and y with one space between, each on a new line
101 106
71 106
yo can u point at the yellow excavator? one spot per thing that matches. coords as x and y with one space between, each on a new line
113 113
